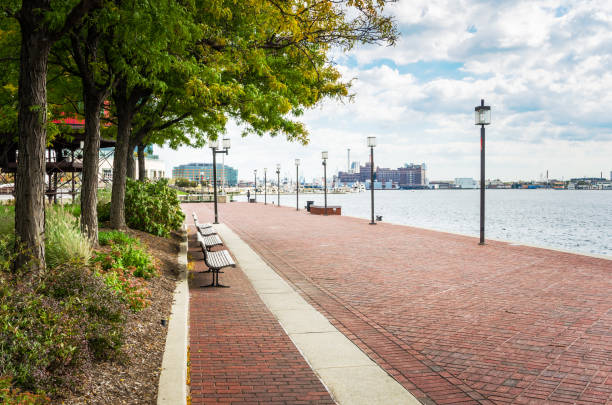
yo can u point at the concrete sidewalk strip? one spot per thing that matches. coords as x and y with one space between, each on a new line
173 377
349 374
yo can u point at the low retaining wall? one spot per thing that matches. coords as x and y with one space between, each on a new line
331 210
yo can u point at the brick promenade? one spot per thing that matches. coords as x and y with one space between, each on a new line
239 353
452 321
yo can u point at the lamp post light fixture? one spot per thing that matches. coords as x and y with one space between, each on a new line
297 185
371 145
278 184
265 186
483 117
324 156
255 185
214 145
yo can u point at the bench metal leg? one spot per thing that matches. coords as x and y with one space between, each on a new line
215 281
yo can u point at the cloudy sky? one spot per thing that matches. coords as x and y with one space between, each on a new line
544 67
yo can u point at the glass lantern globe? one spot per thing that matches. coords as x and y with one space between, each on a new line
214 143
482 115
371 141
297 162
324 155
226 143
278 167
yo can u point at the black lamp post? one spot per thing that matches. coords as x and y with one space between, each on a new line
255 184
371 145
278 184
265 186
297 185
214 144
324 157
483 117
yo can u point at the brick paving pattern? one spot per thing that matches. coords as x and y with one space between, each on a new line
239 353
452 321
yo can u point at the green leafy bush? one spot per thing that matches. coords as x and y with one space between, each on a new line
49 325
152 207
104 209
64 240
104 205
7 220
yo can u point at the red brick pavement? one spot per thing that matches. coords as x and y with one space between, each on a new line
239 353
452 321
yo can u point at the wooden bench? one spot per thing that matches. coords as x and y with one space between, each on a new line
209 241
205 231
216 261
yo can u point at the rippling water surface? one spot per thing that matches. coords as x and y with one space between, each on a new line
575 220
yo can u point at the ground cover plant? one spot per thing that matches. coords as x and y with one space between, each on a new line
73 313
52 323
125 267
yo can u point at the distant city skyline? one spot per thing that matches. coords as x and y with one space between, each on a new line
544 67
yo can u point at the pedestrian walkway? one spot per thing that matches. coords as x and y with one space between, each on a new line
452 321
238 351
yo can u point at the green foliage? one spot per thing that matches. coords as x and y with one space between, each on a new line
50 325
124 267
152 207
180 182
119 271
115 237
7 219
137 259
104 210
104 205
14 396
64 240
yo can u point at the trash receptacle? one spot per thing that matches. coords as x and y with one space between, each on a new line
252 200
308 204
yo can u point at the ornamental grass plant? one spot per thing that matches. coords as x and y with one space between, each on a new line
64 240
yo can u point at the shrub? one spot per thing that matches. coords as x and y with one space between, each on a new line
48 326
7 219
152 207
104 205
64 240
104 209
14 396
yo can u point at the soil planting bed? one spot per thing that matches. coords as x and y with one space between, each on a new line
133 377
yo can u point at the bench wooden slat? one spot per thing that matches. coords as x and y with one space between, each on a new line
207 231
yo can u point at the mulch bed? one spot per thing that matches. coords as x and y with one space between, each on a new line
133 377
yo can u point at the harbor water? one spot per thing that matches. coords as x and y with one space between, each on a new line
573 220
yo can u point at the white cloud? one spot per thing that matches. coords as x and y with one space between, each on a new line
545 67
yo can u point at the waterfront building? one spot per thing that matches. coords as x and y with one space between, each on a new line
409 176
204 172
465 182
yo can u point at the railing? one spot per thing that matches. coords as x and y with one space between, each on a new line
195 197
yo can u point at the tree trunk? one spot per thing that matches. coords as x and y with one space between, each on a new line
131 163
125 113
91 162
142 172
32 119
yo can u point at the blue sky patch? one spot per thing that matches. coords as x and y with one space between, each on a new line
561 11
